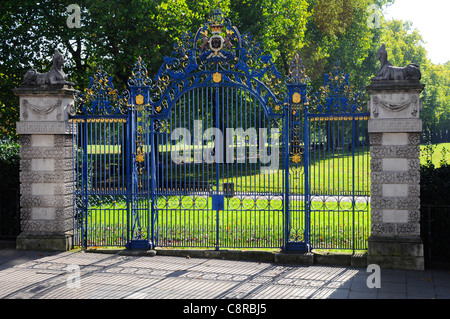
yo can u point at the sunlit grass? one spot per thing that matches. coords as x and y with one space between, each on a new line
437 154
104 149
244 223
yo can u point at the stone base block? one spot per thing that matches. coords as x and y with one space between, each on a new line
359 260
341 259
396 252
294 258
44 242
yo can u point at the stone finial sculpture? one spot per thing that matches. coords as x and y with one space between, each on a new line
55 76
388 72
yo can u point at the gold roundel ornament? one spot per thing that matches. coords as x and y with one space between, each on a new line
217 77
296 98
297 159
139 99
140 157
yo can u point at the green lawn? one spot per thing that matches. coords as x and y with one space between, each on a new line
437 154
104 149
185 221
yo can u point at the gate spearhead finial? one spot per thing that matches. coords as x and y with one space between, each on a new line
297 73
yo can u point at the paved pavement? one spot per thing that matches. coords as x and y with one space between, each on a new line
44 275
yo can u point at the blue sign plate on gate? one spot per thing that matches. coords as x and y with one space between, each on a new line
218 202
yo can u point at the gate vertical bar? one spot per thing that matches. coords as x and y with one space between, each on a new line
152 183
216 148
85 185
287 140
129 159
353 178
306 163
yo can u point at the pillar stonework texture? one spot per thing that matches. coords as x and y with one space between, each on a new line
46 167
394 129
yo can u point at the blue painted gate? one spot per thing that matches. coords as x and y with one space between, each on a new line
220 150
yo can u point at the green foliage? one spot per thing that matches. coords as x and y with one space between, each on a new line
337 30
9 164
435 154
435 180
113 33
436 97
427 153
9 152
405 45
280 26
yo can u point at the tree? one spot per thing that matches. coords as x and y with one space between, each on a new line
113 33
436 98
279 27
405 45
338 30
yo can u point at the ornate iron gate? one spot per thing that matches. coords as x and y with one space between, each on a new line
338 168
219 150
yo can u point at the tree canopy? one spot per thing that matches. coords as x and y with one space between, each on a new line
115 33
405 45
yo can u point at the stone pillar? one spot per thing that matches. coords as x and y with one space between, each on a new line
46 167
394 129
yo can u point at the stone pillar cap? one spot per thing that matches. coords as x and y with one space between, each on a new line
395 85
45 89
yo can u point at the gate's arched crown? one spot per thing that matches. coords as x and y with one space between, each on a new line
218 55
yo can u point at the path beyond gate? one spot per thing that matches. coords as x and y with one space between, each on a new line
221 151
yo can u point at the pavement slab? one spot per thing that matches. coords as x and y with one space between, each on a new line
80 275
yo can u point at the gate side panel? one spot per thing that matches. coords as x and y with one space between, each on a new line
100 181
339 169
140 177
297 238
340 181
